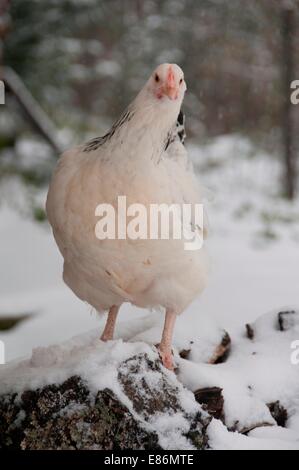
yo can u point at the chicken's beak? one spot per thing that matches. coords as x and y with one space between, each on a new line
170 88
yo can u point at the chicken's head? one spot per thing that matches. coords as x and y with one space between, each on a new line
167 82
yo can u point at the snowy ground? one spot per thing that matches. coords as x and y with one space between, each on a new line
254 252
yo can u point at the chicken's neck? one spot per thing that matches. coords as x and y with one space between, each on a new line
145 131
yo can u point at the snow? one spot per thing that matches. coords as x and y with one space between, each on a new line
222 439
253 246
246 385
257 372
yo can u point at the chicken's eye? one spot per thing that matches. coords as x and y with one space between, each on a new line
157 78
181 81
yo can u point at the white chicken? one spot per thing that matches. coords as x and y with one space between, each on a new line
143 158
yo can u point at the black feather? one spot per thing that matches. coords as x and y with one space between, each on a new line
95 143
177 132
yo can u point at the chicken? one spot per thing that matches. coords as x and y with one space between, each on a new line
143 158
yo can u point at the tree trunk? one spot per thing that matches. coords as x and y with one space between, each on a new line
288 32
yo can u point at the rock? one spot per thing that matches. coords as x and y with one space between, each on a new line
288 319
150 405
283 321
66 417
212 400
215 353
249 331
248 429
185 353
222 351
278 412
154 393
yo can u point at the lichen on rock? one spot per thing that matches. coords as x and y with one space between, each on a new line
70 416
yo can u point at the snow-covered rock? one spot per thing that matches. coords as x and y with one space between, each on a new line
98 396
86 394
259 381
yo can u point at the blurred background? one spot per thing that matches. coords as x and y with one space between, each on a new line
71 66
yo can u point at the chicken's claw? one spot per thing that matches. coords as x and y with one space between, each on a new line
166 358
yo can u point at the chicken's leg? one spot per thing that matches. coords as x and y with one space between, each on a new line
107 334
165 344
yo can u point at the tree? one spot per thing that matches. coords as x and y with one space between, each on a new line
288 34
